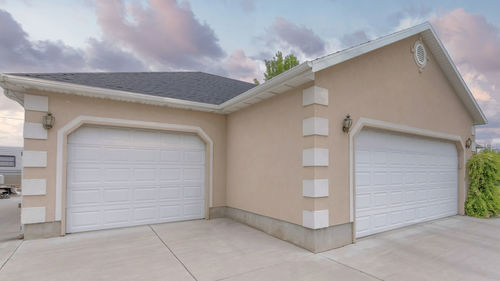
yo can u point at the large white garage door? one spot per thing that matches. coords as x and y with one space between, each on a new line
122 177
402 180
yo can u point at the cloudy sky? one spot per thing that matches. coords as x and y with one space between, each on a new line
232 37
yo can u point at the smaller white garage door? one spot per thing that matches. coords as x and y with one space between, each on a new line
402 180
120 177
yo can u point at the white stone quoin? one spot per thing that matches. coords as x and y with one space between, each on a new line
36 103
315 126
32 215
315 95
315 188
34 186
315 219
32 158
34 131
315 157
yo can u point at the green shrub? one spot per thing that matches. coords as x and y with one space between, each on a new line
483 199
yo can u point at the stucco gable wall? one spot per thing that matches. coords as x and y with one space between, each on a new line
385 85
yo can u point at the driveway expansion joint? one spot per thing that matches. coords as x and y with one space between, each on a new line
176 257
353 268
11 255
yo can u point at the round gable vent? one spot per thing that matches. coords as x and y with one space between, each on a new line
420 54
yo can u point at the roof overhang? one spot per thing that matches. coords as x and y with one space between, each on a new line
437 49
14 86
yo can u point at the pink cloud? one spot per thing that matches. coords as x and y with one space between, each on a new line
474 45
163 32
241 67
470 38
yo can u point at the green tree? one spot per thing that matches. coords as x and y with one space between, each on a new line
278 65
483 199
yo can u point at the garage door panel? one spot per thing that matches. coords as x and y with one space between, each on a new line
146 156
146 213
170 192
116 195
170 174
83 175
116 216
170 212
148 174
193 174
133 177
196 157
116 174
85 153
146 194
80 197
193 209
169 156
402 179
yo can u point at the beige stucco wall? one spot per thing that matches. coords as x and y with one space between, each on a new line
264 160
264 168
67 107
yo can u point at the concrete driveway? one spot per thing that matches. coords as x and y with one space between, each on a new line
456 248
10 218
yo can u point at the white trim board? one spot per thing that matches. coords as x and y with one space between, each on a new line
377 124
62 132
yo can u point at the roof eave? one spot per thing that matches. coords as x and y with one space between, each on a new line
13 84
288 80
436 47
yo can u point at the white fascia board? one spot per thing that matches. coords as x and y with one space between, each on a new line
336 58
303 68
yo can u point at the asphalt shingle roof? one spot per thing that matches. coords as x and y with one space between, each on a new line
191 86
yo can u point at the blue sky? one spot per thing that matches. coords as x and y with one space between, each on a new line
232 37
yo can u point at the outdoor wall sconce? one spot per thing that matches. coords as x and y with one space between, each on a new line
48 121
468 143
347 124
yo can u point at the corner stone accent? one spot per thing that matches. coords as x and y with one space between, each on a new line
314 240
42 230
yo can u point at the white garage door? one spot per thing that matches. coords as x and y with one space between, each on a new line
402 180
122 177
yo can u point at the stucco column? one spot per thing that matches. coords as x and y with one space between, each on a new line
315 158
